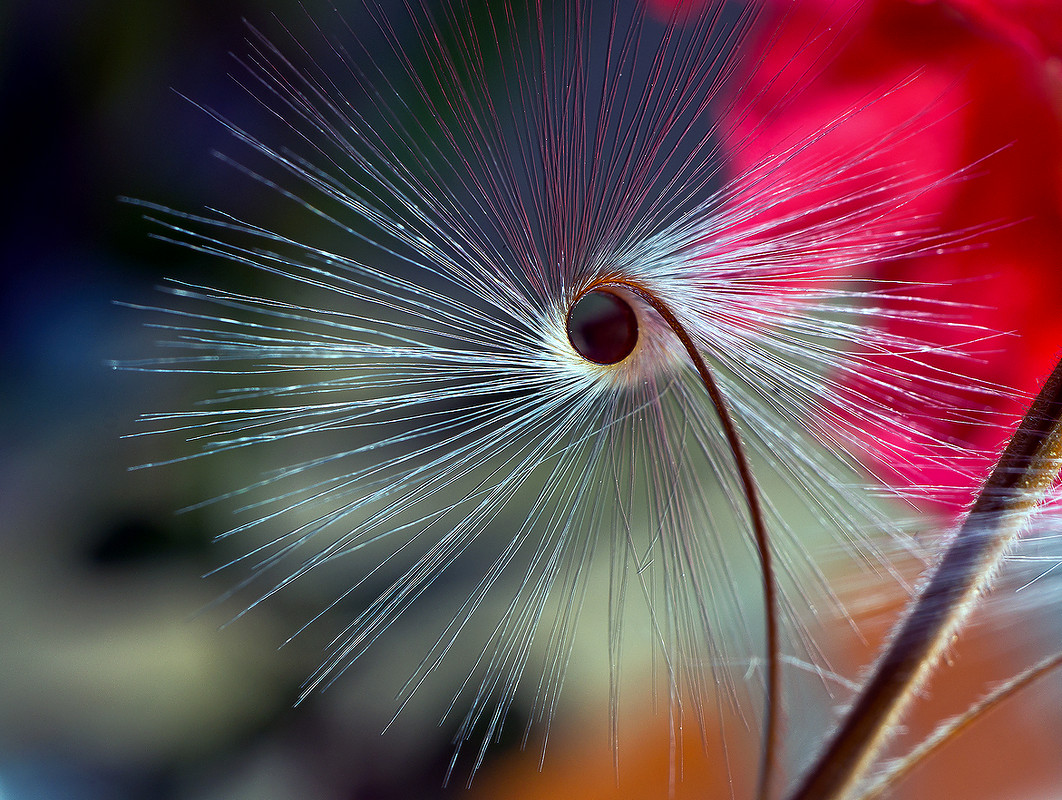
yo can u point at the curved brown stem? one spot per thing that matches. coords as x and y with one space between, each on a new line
1024 473
756 517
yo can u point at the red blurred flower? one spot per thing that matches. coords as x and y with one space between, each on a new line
1033 25
956 85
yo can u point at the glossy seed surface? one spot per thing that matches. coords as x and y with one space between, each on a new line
602 327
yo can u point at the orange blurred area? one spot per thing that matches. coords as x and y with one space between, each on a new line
580 764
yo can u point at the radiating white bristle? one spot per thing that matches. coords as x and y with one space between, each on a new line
495 165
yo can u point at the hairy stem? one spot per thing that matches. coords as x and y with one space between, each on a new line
1021 478
953 727
759 528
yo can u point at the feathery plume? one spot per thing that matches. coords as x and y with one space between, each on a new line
472 363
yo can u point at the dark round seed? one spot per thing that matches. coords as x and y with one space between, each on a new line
602 327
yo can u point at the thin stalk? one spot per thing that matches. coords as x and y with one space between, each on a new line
756 517
953 727
1019 482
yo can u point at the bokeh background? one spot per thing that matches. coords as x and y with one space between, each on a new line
116 680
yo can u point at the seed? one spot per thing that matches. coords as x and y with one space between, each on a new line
602 327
